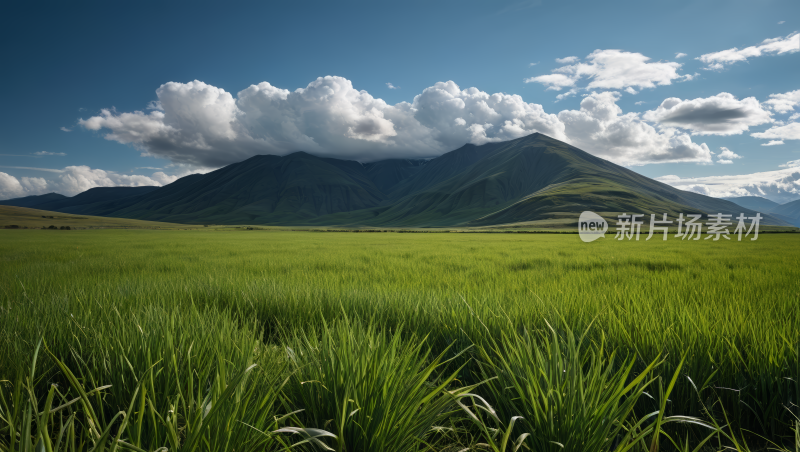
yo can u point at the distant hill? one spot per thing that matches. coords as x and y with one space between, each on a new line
789 211
756 203
32 201
80 202
534 179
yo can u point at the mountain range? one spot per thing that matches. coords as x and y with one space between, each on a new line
789 212
534 180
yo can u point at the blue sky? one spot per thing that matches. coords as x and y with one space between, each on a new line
78 73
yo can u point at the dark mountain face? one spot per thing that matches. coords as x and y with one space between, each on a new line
32 201
534 178
386 174
262 189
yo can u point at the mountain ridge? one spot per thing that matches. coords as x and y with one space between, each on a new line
530 179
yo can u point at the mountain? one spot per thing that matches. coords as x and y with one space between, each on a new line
264 189
534 180
756 203
789 212
82 201
32 201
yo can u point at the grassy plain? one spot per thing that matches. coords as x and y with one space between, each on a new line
366 332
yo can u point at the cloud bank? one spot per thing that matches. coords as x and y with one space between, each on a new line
76 179
780 186
198 124
717 60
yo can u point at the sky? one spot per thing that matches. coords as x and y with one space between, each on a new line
700 95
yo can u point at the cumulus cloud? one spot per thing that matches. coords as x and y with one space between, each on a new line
781 185
776 46
773 143
611 69
204 126
722 114
600 127
390 86
789 131
679 55
76 179
781 22
49 153
64 129
726 156
785 102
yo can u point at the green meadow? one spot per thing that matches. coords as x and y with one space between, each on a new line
222 339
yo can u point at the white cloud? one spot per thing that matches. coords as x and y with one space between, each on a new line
205 126
781 22
392 86
722 114
601 128
49 153
780 185
679 55
641 102
533 64
611 69
776 46
794 117
630 90
726 156
553 81
76 179
569 93
773 143
567 60
64 129
790 131
785 102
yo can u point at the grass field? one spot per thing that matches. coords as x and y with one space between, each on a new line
396 342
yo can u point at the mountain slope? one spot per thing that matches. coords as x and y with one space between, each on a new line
789 211
754 203
533 178
259 190
94 195
386 174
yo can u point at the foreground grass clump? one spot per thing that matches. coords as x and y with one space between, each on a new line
112 304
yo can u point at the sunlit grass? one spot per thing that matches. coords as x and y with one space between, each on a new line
114 303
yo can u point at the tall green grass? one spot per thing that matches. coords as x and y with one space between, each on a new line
111 304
